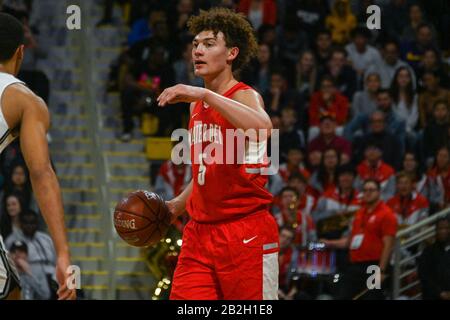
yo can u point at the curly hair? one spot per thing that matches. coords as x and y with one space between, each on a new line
237 31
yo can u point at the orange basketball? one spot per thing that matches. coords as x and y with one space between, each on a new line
142 218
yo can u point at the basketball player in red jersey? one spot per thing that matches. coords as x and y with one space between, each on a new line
230 246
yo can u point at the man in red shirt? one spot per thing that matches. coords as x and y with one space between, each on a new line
409 206
328 139
328 100
373 167
370 243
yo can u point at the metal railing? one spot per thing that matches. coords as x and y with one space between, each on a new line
405 265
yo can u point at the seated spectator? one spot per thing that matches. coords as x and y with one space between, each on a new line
172 179
288 213
41 253
258 73
19 182
142 28
434 265
143 83
405 103
412 168
279 96
390 122
292 40
365 102
325 178
12 206
294 164
342 200
178 19
432 92
373 167
306 75
33 287
416 18
290 136
326 139
259 12
413 51
307 201
285 291
379 134
435 134
183 71
389 63
341 21
323 48
431 61
345 78
370 243
409 206
361 55
327 101
439 180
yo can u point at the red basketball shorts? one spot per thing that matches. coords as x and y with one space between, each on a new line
235 260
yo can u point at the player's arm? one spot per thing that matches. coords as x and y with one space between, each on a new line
34 124
244 111
342 243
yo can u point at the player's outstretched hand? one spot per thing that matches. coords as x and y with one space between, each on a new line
180 93
64 293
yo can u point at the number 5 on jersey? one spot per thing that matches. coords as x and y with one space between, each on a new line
201 170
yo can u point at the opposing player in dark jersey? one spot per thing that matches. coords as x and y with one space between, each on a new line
24 115
230 246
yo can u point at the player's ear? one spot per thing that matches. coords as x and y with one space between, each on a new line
232 53
20 52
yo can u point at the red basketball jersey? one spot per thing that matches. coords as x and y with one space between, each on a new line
223 190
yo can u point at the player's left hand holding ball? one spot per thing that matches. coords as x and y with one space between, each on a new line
181 93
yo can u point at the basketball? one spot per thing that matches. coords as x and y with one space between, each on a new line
142 218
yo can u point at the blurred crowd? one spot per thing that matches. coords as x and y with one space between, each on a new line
352 105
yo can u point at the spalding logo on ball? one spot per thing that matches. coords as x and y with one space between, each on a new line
142 218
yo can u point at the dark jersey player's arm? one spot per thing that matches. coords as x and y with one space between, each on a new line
244 111
34 123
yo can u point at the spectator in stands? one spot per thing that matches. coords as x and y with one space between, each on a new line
373 167
306 75
434 265
389 63
409 206
431 61
341 22
259 12
395 17
12 206
436 132
258 73
371 240
326 139
311 13
415 20
325 178
290 136
323 48
41 252
143 83
33 286
294 164
405 103
172 179
411 167
279 95
307 202
289 214
345 78
19 182
365 102
361 55
379 134
142 29
178 21
184 72
431 93
327 101
341 200
439 180
287 235
413 51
